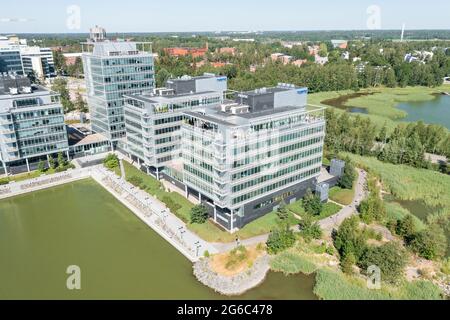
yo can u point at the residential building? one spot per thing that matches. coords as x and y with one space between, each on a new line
226 50
341 44
31 123
320 60
244 157
113 69
153 119
299 62
184 51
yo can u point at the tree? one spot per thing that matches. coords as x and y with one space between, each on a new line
309 229
282 211
430 243
61 161
391 258
59 60
111 161
347 263
312 203
41 166
280 240
349 176
161 77
349 239
51 162
60 86
406 228
80 104
199 214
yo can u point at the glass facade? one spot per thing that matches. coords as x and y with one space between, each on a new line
31 126
10 61
109 76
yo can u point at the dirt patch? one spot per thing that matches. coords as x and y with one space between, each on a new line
236 261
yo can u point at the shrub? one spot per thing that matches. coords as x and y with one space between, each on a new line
41 166
236 256
199 214
51 162
349 239
391 258
406 228
136 181
111 161
61 161
309 229
3 182
171 204
430 243
206 254
280 240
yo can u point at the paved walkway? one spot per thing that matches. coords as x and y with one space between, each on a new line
330 223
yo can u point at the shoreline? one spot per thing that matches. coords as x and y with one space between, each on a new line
235 285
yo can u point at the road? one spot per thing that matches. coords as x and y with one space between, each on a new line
330 223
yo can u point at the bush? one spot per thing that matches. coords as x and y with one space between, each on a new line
41 166
280 240
405 228
391 258
136 181
206 254
51 162
111 161
309 229
349 239
3 182
430 243
199 214
171 204
236 256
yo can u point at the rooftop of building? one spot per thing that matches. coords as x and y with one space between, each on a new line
12 86
218 116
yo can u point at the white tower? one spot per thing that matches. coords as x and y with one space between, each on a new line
403 33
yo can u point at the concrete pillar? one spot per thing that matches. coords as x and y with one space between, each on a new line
157 174
186 192
200 198
4 167
139 162
28 164
68 156
48 160
215 213
231 221
148 170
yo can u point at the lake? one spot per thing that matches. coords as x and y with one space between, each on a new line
436 111
120 257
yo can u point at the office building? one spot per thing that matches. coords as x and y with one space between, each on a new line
153 119
10 59
31 123
244 157
113 69
38 60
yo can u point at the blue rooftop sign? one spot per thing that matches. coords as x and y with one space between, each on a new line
302 91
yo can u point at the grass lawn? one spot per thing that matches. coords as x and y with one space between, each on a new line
207 231
329 209
342 196
26 176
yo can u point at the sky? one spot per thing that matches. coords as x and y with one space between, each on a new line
73 16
